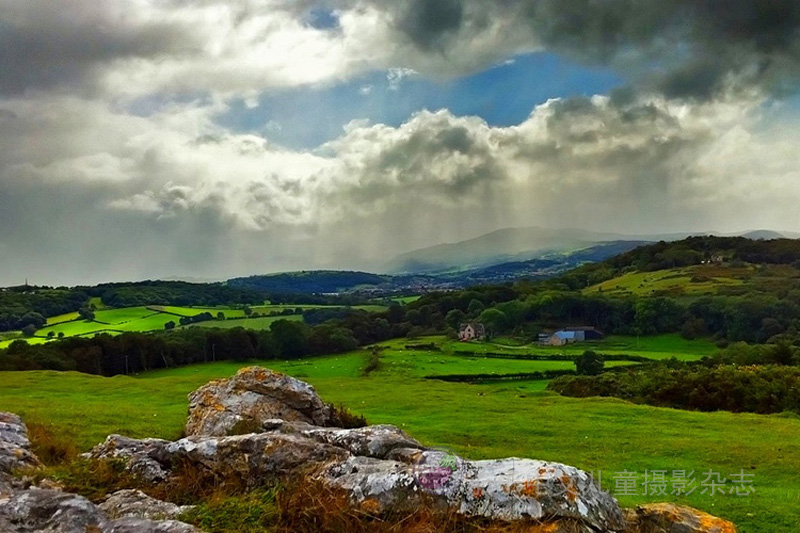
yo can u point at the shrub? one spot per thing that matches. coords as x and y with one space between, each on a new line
589 363
343 418
373 363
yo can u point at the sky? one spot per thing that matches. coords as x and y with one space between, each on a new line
205 139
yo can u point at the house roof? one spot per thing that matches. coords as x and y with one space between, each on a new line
564 335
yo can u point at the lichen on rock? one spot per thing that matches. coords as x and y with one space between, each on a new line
254 395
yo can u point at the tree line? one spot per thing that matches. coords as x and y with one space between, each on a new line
130 353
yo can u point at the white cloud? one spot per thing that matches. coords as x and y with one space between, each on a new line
81 172
395 76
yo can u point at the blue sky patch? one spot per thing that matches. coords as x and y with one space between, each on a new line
503 95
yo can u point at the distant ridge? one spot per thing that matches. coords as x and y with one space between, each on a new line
524 244
763 235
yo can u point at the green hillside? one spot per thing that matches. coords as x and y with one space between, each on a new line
689 281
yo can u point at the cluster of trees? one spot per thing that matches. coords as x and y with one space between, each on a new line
174 293
202 317
317 282
756 389
27 305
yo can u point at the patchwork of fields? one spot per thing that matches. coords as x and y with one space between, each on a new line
480 421
152 318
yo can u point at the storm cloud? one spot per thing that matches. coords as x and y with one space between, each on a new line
682 48
115 163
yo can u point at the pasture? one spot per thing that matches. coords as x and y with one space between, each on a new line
691 281
479 421
263 322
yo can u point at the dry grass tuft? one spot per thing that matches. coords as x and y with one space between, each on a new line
312 507
52 448
191 483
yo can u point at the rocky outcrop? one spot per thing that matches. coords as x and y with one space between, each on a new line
136 504
506 489
372 441
253 397
670 518
53 511
356 461
49 510
378 466
146 458
250 457
15 447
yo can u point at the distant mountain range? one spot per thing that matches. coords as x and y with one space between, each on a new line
524 244
497 257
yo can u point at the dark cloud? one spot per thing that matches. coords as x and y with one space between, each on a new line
429 22
682 48
47 45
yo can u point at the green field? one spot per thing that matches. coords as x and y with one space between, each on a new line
692 281
263 322
653 347
261 309
479 421
403 300
62 318
30 340
111 321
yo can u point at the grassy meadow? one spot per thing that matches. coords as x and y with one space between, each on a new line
479 421
653 347
263 322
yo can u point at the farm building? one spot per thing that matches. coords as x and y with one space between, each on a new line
576 334
471 331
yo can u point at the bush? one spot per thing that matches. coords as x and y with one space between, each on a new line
589 363
373 363
343 418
